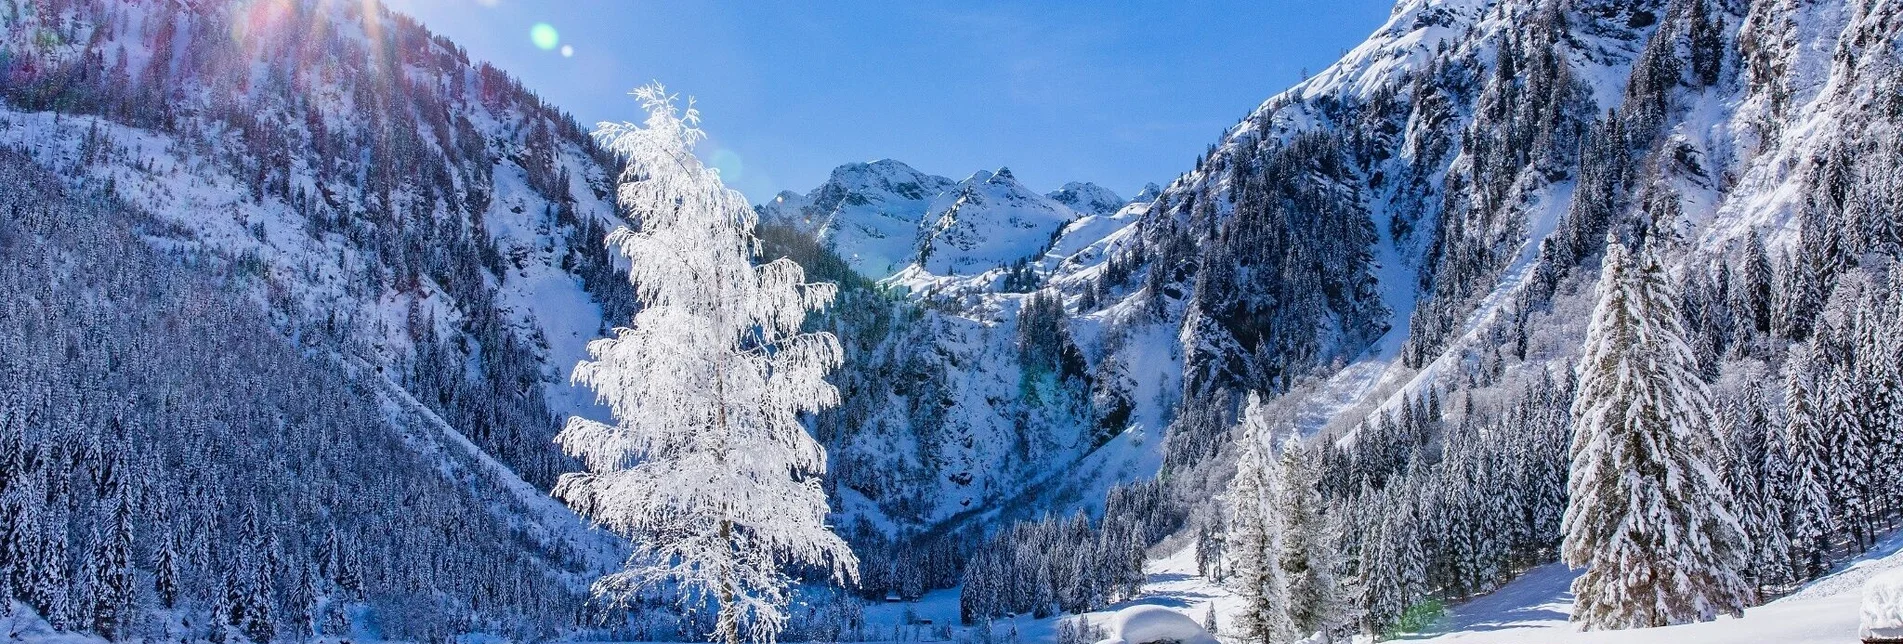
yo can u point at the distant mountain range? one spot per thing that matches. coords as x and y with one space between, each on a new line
883 217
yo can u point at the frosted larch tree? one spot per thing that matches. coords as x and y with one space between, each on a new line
1254 542
706 468
1650 519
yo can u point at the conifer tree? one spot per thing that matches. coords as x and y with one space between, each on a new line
1254 543
112 577
1884 377
1753 299
1804 441
707 467
165 579
1850 463
1649 517
1772 540
1308 556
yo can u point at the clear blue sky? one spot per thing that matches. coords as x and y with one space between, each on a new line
1119 93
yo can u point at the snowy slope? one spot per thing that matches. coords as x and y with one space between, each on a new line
1535 607
1532 608
197 185
437 207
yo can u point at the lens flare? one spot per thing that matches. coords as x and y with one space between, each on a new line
568 51
544 36
728 163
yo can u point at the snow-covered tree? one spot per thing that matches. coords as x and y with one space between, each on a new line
707 468
1308 558
1649 517
111 575
1851 465
1254 542
1807 486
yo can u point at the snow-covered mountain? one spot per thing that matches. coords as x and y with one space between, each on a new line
886 218
988 220
1399 253
1087 198
871 213
416 228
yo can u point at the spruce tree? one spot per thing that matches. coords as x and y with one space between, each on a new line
1650 518
1850 463
1308 556
1805 443
1772 541
1254 542
165 571
1753 299
112 579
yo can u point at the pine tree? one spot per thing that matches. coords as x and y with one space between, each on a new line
707 468
1254 542
1649 517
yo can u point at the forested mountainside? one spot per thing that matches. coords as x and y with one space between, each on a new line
283 276
1399 255
424 231
425 212
170 464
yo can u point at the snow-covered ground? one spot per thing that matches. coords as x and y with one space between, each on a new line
1534 607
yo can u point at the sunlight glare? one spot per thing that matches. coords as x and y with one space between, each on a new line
544 36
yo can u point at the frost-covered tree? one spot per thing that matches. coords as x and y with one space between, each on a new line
1850 463
1254 543
1650 518
707 467
1309 558
1807 486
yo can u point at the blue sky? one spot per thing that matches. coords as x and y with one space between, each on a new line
1118 93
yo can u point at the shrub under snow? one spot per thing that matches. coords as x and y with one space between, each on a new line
1883 608
1151 624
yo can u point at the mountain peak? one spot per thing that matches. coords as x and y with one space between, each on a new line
1087 198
